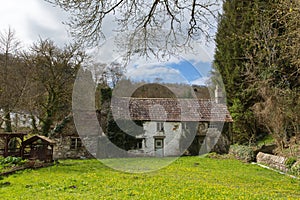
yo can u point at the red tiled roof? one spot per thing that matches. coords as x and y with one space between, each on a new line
167 109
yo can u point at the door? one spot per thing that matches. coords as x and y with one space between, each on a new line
159 147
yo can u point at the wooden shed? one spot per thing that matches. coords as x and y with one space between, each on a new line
10 143
38 148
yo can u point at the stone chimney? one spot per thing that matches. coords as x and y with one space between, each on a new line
219 97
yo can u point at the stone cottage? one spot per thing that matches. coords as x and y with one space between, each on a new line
159 126
172 127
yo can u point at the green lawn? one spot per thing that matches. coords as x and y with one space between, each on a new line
186 178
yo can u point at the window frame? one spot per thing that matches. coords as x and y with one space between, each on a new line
160 127
77 144
184 126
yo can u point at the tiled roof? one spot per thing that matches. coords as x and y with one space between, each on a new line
167 109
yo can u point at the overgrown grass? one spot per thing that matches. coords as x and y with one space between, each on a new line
186 178
267 140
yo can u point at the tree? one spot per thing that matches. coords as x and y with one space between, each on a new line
53 73
107 74
149 24
274 68
257 55
13 76
230 59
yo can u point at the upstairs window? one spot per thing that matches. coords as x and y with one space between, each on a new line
213 126
159 126
184 126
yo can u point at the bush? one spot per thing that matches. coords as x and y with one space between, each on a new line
295 169
244 153
289 162
11 161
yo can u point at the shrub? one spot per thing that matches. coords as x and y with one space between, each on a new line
244 153
295 169
289 162
11 161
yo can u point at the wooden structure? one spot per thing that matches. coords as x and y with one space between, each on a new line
38 148
10 144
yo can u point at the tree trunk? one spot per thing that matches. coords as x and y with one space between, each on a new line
7 120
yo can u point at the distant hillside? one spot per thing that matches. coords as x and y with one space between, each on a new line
161 90
153 90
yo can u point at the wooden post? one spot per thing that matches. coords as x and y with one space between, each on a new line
5 146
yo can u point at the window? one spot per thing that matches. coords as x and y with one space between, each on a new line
213 125
139 144
158 143
184 126
75 143
159 126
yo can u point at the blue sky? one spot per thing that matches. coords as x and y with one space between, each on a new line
192 72
181 72
34 19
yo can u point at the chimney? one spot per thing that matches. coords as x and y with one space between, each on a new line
219 98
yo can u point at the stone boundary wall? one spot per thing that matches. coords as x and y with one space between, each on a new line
276 162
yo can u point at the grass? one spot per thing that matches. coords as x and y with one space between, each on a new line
186 178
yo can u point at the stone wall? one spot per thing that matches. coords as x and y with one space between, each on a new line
276 162
91 144
62 148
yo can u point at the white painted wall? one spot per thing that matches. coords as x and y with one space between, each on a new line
172 133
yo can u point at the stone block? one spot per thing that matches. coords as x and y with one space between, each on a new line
276 162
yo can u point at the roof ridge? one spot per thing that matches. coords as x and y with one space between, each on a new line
165 98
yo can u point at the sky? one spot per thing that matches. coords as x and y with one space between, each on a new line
34 19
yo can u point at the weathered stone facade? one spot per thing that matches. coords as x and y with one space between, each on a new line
75 147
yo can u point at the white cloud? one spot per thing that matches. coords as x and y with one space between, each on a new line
110 50
150 72
32 19
201 81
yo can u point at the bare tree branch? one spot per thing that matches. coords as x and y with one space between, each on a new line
188 19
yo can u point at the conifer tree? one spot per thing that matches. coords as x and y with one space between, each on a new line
230 59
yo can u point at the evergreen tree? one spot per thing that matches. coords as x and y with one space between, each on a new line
230 58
